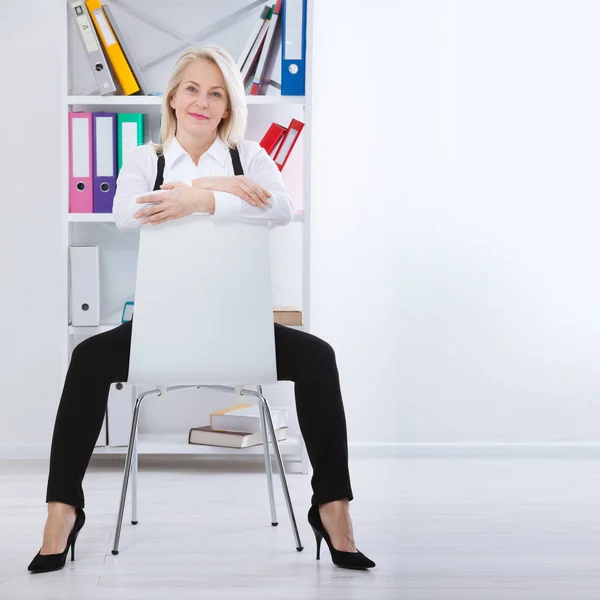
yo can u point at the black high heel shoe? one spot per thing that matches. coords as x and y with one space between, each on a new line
346 560
54 562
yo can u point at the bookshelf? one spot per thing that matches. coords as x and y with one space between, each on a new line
137 101
108 218
118 250
177 444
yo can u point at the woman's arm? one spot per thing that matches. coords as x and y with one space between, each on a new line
136 178
263 171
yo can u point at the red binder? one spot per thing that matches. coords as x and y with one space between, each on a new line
272 137
287 144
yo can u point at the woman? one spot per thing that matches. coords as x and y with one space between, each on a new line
203 121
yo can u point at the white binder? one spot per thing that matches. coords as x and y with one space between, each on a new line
84 286
120 414
96 58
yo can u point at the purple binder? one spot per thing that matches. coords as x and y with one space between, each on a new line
104 135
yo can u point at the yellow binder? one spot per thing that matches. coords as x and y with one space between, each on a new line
112 48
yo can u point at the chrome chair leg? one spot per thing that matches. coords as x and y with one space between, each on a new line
268 467
134 474
128 460
284 485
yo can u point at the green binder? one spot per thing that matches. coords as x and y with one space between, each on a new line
130 133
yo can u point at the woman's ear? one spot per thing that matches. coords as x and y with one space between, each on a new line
172 103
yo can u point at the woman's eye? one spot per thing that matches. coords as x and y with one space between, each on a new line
191 88
217 94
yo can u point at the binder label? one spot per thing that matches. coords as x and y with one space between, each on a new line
105 29
287 144
89 39
104 147
129 139
81 133
293 29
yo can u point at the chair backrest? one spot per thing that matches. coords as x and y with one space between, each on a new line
203 305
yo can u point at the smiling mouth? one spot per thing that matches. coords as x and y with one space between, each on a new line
198 117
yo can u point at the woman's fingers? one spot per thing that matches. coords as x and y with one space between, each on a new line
240 188
146 199
154 213
254 193
262 194
251 194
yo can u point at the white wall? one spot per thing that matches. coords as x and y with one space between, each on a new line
32 340
455 217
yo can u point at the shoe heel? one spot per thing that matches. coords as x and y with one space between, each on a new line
73 548
319 539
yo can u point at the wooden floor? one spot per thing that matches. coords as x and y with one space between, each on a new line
439 529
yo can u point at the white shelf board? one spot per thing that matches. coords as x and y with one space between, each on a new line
103 328
156 100
108 218
177 443
91 218
91 330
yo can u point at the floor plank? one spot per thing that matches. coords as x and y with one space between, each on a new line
439 529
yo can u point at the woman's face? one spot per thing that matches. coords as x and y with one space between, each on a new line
200 101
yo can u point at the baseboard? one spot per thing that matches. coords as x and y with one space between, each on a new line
476 450
408 450
24 452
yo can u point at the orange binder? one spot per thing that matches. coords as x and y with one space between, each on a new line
112 48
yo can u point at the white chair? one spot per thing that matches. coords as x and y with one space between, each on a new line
203 319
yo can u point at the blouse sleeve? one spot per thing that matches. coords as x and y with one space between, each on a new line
263 171
136 178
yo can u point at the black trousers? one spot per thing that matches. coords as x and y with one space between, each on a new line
104 359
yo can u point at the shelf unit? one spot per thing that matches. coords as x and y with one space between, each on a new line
293 448
108 218
155 101
177 444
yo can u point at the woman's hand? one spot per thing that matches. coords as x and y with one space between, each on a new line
238 185
178 200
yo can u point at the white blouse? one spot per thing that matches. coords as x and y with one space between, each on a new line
138 174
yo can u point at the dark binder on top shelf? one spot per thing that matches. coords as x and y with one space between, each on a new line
249 67
257 27
268 55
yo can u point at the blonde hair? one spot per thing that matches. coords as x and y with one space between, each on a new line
232 128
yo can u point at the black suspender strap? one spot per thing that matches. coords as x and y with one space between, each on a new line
237 163
160 167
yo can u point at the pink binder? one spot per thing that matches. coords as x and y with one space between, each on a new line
81 176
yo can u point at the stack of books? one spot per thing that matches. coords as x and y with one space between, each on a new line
238 427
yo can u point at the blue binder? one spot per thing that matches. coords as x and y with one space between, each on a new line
293 48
